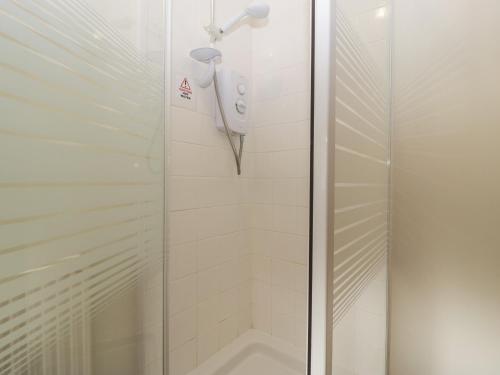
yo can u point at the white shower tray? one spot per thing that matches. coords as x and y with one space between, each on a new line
254 353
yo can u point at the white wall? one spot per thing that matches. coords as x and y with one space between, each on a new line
279 187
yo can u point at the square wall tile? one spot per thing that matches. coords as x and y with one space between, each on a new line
182 294
182 260
182 328
183 359
208 344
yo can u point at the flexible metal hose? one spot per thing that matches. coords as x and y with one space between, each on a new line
237 154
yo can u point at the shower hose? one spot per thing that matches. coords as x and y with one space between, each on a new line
237 154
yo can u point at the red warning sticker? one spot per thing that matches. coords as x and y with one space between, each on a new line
184 91
185 88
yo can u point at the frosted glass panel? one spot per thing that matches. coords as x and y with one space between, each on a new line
81 187
445 254
361 187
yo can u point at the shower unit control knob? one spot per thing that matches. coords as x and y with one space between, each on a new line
241 106
242 89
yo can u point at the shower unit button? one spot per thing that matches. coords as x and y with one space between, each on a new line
235 96
241 107
242 89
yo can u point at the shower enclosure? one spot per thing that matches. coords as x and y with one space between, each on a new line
356 234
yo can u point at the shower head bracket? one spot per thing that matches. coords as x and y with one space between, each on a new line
214 32
209 56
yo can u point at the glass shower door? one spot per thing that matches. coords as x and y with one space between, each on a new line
81 187
361 188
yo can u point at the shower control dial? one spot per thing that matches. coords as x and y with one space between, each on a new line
242 89
241 106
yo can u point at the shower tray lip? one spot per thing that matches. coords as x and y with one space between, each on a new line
249 344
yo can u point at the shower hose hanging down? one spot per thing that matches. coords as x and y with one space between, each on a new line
237 154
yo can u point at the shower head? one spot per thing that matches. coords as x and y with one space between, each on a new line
208 56
254 10
257 10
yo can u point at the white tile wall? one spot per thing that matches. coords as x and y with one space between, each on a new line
210 260
238 245
279 187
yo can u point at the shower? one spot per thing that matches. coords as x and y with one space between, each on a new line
227 102
255 10
356 235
